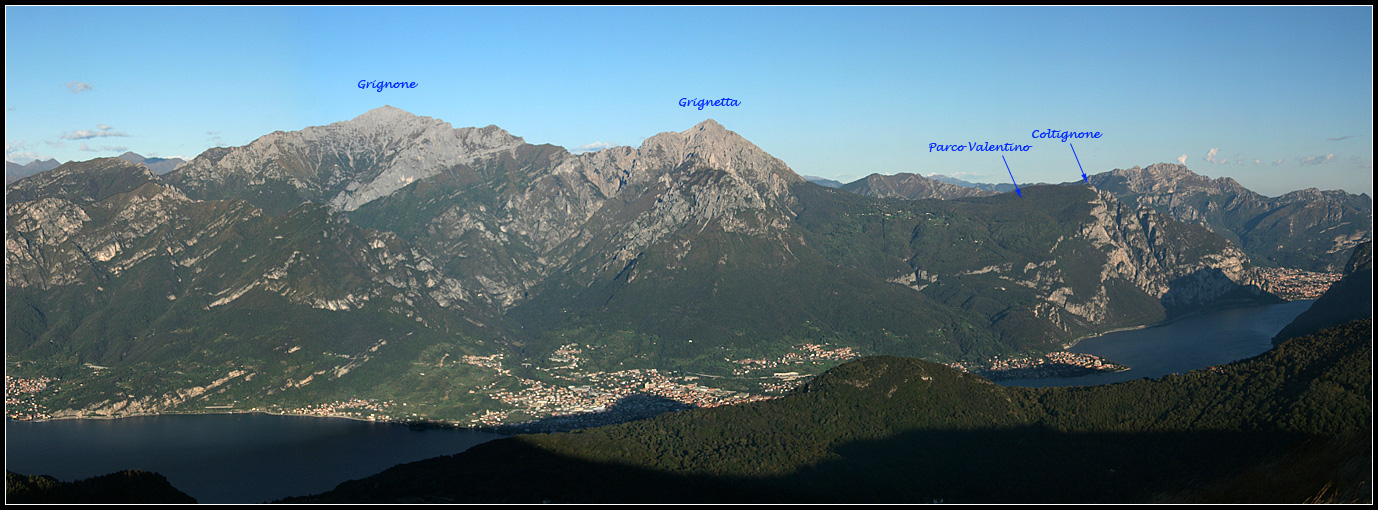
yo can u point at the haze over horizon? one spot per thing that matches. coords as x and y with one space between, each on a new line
1279 99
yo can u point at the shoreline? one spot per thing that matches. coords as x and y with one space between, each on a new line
427 424
1078 340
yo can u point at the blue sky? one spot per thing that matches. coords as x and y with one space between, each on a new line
1277 98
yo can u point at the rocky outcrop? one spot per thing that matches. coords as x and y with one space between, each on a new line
1137 249
1307 229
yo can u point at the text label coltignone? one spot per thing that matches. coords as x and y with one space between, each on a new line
1064 135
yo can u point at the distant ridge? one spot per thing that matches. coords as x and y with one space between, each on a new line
910 186
823 181
159 166
998 188
15 171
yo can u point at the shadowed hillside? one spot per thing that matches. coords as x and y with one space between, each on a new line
1279 427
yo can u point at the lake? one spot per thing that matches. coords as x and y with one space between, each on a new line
228 458
1190 343
249 458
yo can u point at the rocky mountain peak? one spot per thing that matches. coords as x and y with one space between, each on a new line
709 125
385 114
1161 176
345 164
1167 178
708 144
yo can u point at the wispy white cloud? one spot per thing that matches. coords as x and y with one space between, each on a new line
1182 160
1211 157
595 147
24 158
1278 162
77 86
102 148
1258 162
15 153
966 176
103 130
1316 160
1340 138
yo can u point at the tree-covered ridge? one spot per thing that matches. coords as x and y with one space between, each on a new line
132 486
905 430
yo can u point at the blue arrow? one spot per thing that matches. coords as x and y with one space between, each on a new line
1007 169
1083 171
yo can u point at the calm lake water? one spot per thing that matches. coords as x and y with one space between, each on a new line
227 458
1187 344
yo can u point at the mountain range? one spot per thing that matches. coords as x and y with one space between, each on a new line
334 261
998 188
16 171
1308 229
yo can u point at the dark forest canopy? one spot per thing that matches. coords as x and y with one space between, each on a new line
888 429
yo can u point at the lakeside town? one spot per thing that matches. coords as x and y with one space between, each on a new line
809 353
568 397
1053 364
625 395
580 399
20 403
1295 284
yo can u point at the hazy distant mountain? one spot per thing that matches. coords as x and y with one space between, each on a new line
822 181
15 171
998 188
1347 299
157 165
1307 229
910 186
